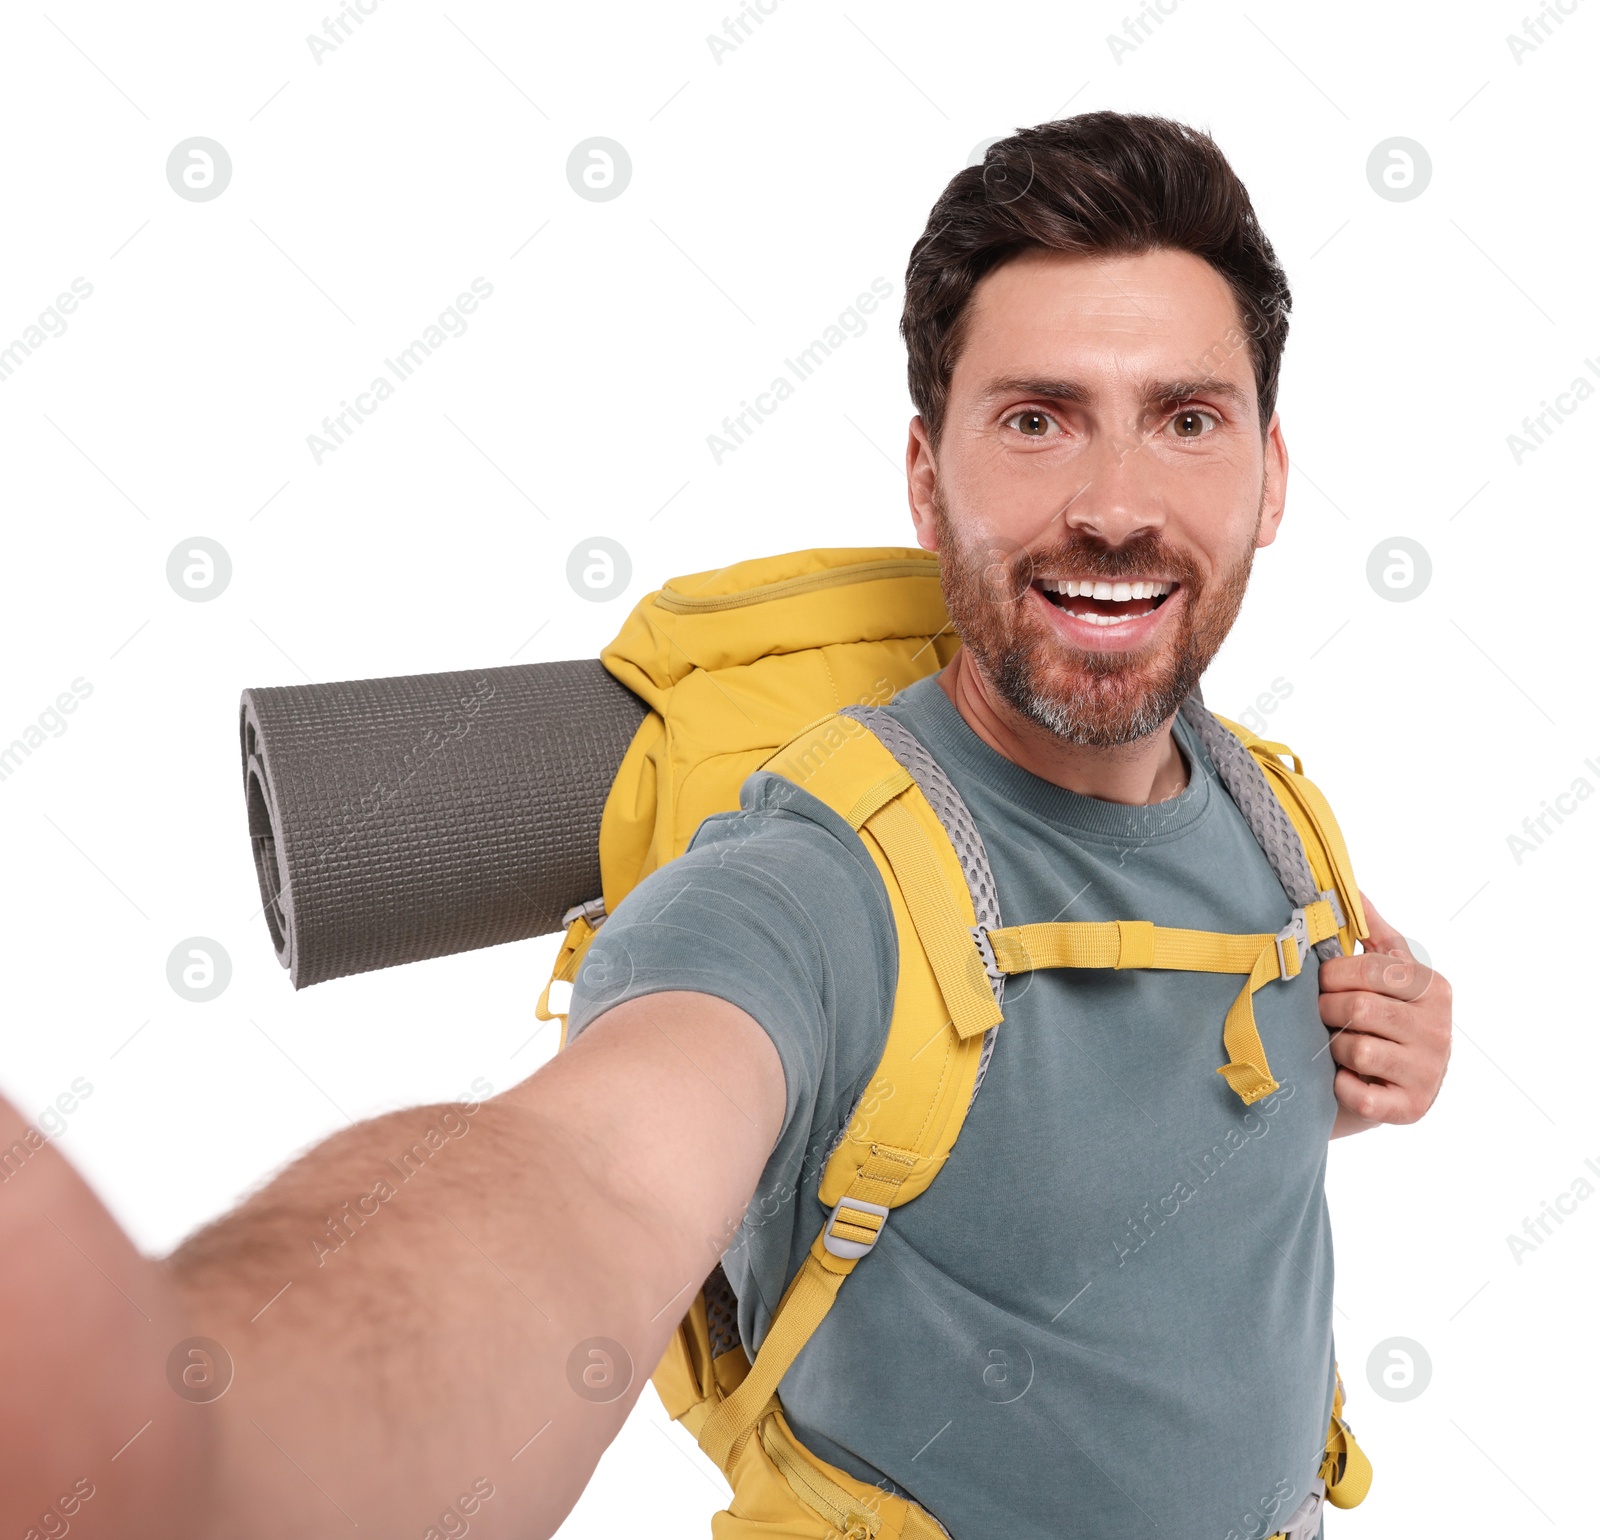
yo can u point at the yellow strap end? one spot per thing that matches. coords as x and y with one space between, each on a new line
541 1007
1247 1082
1351 1472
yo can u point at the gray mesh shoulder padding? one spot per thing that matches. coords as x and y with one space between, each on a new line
953 813
1246 783
722 1312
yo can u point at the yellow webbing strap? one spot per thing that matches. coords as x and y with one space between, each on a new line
805 1302
876 795
860 780
1124 944
1139 944
574 944
1345 1466
940 927
1277 750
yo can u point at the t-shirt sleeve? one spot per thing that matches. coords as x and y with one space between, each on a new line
779 909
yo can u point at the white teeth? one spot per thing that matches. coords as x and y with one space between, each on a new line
1088 588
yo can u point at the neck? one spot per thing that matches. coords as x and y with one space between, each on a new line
1150 770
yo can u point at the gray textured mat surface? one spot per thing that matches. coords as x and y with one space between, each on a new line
398 819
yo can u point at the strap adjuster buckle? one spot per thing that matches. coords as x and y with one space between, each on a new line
841 1247
980 936
1306 1520
594 911
1331 897
1296 931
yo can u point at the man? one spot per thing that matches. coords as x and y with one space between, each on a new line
1106 1318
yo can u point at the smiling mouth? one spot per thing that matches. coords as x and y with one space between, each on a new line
1107 602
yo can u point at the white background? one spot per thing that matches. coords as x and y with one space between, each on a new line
767 191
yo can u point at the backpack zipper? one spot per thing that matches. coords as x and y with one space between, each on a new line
817 1491
784 588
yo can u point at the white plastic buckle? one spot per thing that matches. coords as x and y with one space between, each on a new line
851 1249
1296 929
1306 1520
1331 897
986 953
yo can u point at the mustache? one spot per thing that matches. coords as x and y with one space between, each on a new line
1146 555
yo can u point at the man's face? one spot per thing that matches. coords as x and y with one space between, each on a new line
1102 429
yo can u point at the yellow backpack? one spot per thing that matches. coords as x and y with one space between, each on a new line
777 663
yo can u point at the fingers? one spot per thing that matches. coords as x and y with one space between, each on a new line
1390 1021
1391 1055
1381 973
1376 1103
1372 1057
1382 937
1380 1100
1385 965
1368 1014
1410 1012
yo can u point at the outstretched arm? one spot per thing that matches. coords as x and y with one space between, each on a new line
1389 1016
469 1343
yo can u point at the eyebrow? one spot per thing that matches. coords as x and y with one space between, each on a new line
1157 393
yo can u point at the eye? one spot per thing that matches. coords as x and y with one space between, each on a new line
1035 424
1191 423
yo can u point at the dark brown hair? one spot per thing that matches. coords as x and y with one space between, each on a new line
1104 183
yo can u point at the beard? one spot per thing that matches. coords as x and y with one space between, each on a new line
1097 699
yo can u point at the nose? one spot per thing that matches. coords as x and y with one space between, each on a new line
1118 493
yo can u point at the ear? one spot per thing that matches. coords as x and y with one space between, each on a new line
1274 483
922 478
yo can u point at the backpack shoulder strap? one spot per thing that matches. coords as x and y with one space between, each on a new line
1319 830
1290 818
945 1007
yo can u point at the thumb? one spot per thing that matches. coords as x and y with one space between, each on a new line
1383 937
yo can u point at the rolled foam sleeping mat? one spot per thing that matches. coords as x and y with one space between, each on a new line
399 819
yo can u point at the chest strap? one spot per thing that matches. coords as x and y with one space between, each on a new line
1262 958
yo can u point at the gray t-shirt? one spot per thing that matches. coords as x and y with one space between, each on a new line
1110 1316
